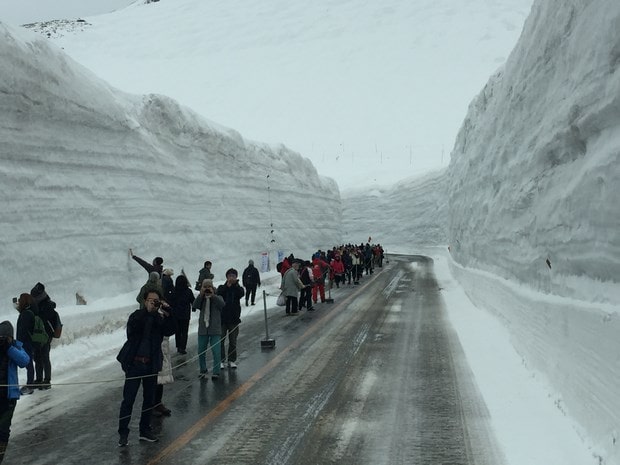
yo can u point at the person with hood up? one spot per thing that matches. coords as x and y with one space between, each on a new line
210 306
157 265
45 308
232 293
12 355
250 280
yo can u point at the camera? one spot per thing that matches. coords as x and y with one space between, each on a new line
157 303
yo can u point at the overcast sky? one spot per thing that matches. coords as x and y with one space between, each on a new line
18 12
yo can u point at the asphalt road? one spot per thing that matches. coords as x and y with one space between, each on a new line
377 377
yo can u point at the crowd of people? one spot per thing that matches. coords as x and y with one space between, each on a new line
304 281
165 309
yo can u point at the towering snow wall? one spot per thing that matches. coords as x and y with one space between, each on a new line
81 162
535 170
412 212
534 185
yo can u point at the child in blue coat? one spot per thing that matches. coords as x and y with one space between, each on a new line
12 355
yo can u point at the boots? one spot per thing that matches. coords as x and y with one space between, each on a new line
161 410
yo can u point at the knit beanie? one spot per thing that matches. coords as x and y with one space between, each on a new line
6 329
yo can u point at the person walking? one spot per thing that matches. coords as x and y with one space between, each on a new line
232 293
12 355
250 280
182 301
210 307
291 285
25 328
141 359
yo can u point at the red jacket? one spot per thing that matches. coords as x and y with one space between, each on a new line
338 266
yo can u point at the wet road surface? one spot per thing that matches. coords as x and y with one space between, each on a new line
377 377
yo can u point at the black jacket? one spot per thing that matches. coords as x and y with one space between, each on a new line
251 277
46 309
25 327
160 326
231 313
182 303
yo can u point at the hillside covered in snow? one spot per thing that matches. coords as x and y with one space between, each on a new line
81 159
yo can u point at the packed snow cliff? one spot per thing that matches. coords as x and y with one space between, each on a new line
80 159
533 197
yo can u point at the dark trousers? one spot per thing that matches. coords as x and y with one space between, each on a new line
7 407
180 336
137 374
232 329
305 298
291 304
250 294
30 367
42 363
159 394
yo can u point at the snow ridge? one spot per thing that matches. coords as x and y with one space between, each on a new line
88 171
538 149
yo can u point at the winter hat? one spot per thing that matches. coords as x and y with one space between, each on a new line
207 283
232 271
6 329
158 260
251 262
168 271
153 276
38 292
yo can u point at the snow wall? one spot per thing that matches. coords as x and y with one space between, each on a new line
534 184
81 162
412 212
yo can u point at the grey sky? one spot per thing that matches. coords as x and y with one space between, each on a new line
18 12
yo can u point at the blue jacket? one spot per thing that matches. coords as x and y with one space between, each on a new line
17 358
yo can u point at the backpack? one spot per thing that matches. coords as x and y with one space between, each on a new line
39 334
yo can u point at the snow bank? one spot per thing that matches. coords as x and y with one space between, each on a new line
87 171
534 173
533 199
